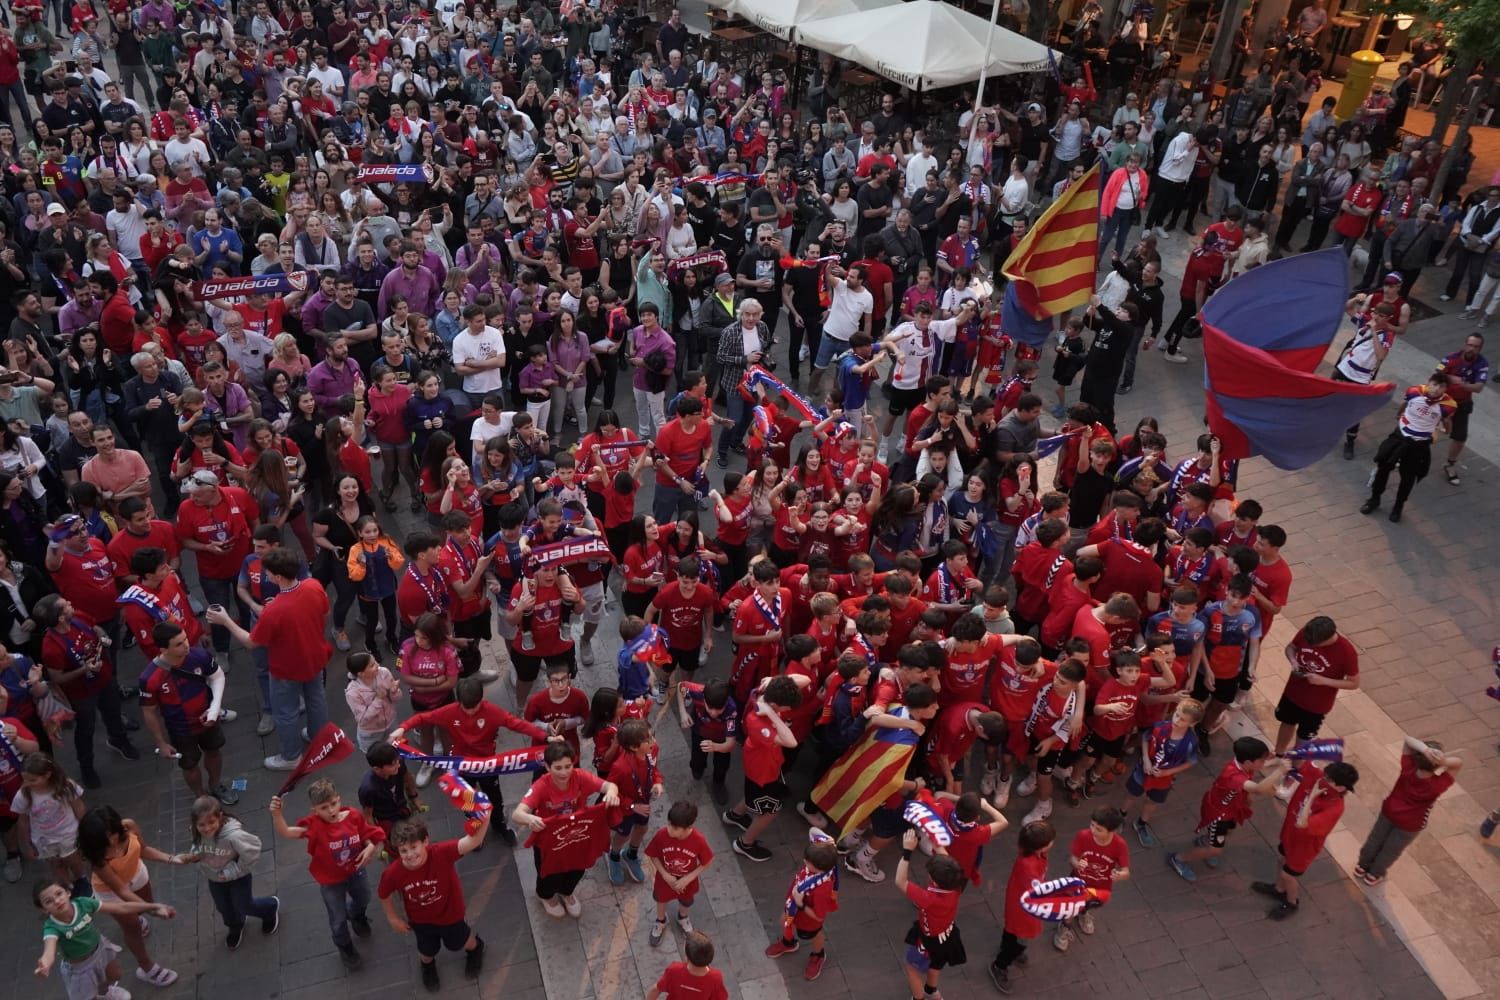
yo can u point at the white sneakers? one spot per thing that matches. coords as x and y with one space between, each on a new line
1027 786
276 762
988 781
424 775
1039 812
553 907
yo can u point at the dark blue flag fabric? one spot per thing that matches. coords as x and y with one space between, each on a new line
1019 324
1264 335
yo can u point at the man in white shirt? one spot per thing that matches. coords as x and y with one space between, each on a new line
915 343
1172 178
917 166
479 356
183 148
331 79
850 311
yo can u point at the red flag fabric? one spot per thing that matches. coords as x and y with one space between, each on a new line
329 745
574 842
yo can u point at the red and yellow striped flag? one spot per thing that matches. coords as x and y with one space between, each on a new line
1052 269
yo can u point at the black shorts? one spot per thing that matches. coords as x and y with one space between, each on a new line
1224 689
939 953
1098 747
529 667
1214 834
432 937
190 749
765 800
1291 714
447 699
904 400
685 660
1460 421
803 935
887 823
475 626
1064 370
1057 757
630 822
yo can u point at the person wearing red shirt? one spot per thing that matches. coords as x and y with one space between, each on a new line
1200 276
1037 566
966 816
757 631
934 940
340 844
293 629
1360 203
685 608
952 586
1311 815
563 791
560 707
733 509
78 663
643 566
635 774
463 563
1098 626
683 447
1113 718
1129 566
422 588
766 739
1014 683
972 653
1029 867
1426 773
954 732
139 530
693 979
1120 522
426 876
537 610
906 612
1070 591
117 320
83 571
811 900
158 242
681 855
1323 664
1227 803
1100 857
157 597
216 525
1272 577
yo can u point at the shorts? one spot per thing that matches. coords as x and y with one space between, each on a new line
1224 690
432 937
1098 747
1290 713
1017 743
529 667
1065 370
428 706
1215 833
1460 422
1293 872
1135 786
663 893
765 800
137 882
191 748
630 822
904 400
887 823
46 850
89 977
924 952
807 933
593 603
1060 757
685 660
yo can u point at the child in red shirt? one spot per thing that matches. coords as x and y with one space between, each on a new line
340 843
933 943
635 773
811 900
1311 815
693 979
1100 857
1227 803
767 737
1014 683
1113 721
1030 866
426 876
965 816
681 855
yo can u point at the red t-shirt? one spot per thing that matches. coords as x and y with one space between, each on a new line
1300 847
547 800
642 562
682 616
678 857
619 507
1099 860
1128 568
1113 692
1012 692
679 983
456 563
736 530
763 755
1227 799
87 580
432 893
1063 603
1027 869
293 629
10 775
124 544
1274 582
683 449
903 622
634 776
965 674
1091 630
546 620
335 847
1410 802
542 710
230 519
967 845
1338 660
475 735
937 909
953 737
172 600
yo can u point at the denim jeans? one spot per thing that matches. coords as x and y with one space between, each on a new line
666 502
827 348
235 902
261 657
742 414
1117 225
285 697
345 901
222 592
17 92
105 705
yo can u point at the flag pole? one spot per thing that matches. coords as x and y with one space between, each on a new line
989 40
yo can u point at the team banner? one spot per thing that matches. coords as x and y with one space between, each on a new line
265 284
649 647
474 804
706 258
1327 750
757 376
920 814
570 551
1061 898
510 762
1048 445
328 746
396 173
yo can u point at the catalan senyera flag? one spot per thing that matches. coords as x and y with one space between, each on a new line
868 773
1052 269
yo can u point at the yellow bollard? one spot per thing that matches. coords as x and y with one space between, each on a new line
1357 82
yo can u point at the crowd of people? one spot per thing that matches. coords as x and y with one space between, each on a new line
280 260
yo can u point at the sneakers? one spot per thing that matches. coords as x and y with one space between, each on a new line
616 869
553 907
813 818
1062 938
755 852
572 907
1445 297
430 976
361 926
474 960
779 947
1176 357
732 818
684 923
487 676
1486 830
424 775
1085 922
586 653
266 726
1182 868
269 926
702 657
1039 812
14 869
1283 911
802 353
232 939
658 931
1348 449
1450 472
633 867
1027 787
815 963
1287 788
1367 877
1144 835
350 957
226 795
850 843
1001 978
1002 793
1370 506
116 992
1073 792
1059 411
125 749
988 781
1266 889
507 834
228 715
276 762
341 642
864 867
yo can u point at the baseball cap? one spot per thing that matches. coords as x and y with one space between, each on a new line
200 478
724 278
1394 278
56 208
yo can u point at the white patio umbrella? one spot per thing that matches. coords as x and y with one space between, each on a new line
783 17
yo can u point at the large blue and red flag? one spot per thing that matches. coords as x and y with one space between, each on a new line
1264 335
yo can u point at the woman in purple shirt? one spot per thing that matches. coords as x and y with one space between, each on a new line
569 354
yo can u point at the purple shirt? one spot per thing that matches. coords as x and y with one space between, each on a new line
161 11
327 385
421 291
569 354
531 379
642 344
72 317
312 310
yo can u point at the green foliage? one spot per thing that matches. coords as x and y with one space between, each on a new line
1472 26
